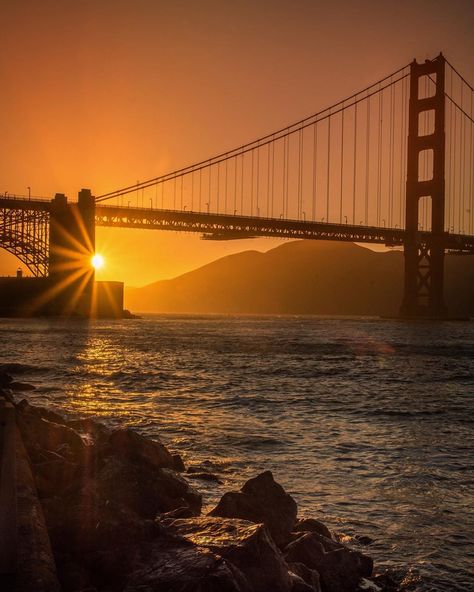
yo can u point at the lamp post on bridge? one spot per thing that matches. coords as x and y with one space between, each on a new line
29 193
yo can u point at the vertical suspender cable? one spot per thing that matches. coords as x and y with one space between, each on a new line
471 168
235 184
284 178
355 168
273 175
226 179
392 184
268 180
367 158
200 188
315 165
242 187
251 183
379 158
287 175
258 181
328 168
462 159
218 187
210 187
342 164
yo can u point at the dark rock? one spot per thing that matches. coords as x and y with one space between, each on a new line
261 500
7 395
85 523
178 464
21 386
205 477
299 585
340 570
312 525
55 477
40 433
126 443
146 490
364 540
93 430
185 569
24 407
310 576
245 545
5 380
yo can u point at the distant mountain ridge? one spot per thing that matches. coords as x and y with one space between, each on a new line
300 277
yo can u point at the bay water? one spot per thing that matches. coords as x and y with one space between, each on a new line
368 423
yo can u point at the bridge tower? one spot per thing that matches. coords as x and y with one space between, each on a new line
424 260
71 247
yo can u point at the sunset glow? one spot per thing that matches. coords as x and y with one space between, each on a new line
97 261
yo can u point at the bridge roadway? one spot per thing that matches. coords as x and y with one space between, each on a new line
228 227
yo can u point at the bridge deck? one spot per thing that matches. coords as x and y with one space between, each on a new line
228 227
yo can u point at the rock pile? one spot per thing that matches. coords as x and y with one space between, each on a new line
122 517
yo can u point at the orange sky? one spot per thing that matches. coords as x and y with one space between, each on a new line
101 94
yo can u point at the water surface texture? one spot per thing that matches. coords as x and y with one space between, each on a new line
368 423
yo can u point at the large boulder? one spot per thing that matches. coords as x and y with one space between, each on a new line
261 500
129 444
184 569
85 524
95 541
41 434
340 568
245 545
146 490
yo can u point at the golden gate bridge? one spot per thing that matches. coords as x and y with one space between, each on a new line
392 164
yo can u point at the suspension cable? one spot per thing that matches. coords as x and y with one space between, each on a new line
288 130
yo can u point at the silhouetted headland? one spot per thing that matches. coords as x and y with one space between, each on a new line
301 277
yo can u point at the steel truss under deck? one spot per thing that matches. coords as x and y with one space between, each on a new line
227 227
25 234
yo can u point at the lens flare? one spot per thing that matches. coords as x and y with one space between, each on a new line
97 261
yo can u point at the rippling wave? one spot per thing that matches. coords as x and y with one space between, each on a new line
368 423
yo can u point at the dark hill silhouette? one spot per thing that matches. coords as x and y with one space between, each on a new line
300 277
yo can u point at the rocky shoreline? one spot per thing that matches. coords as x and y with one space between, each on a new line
121 516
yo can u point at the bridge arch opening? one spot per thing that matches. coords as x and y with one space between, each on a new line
425 207
426 165
427 85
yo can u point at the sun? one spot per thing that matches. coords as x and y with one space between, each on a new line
97 261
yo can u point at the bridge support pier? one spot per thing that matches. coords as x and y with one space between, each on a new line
71 248
424 260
